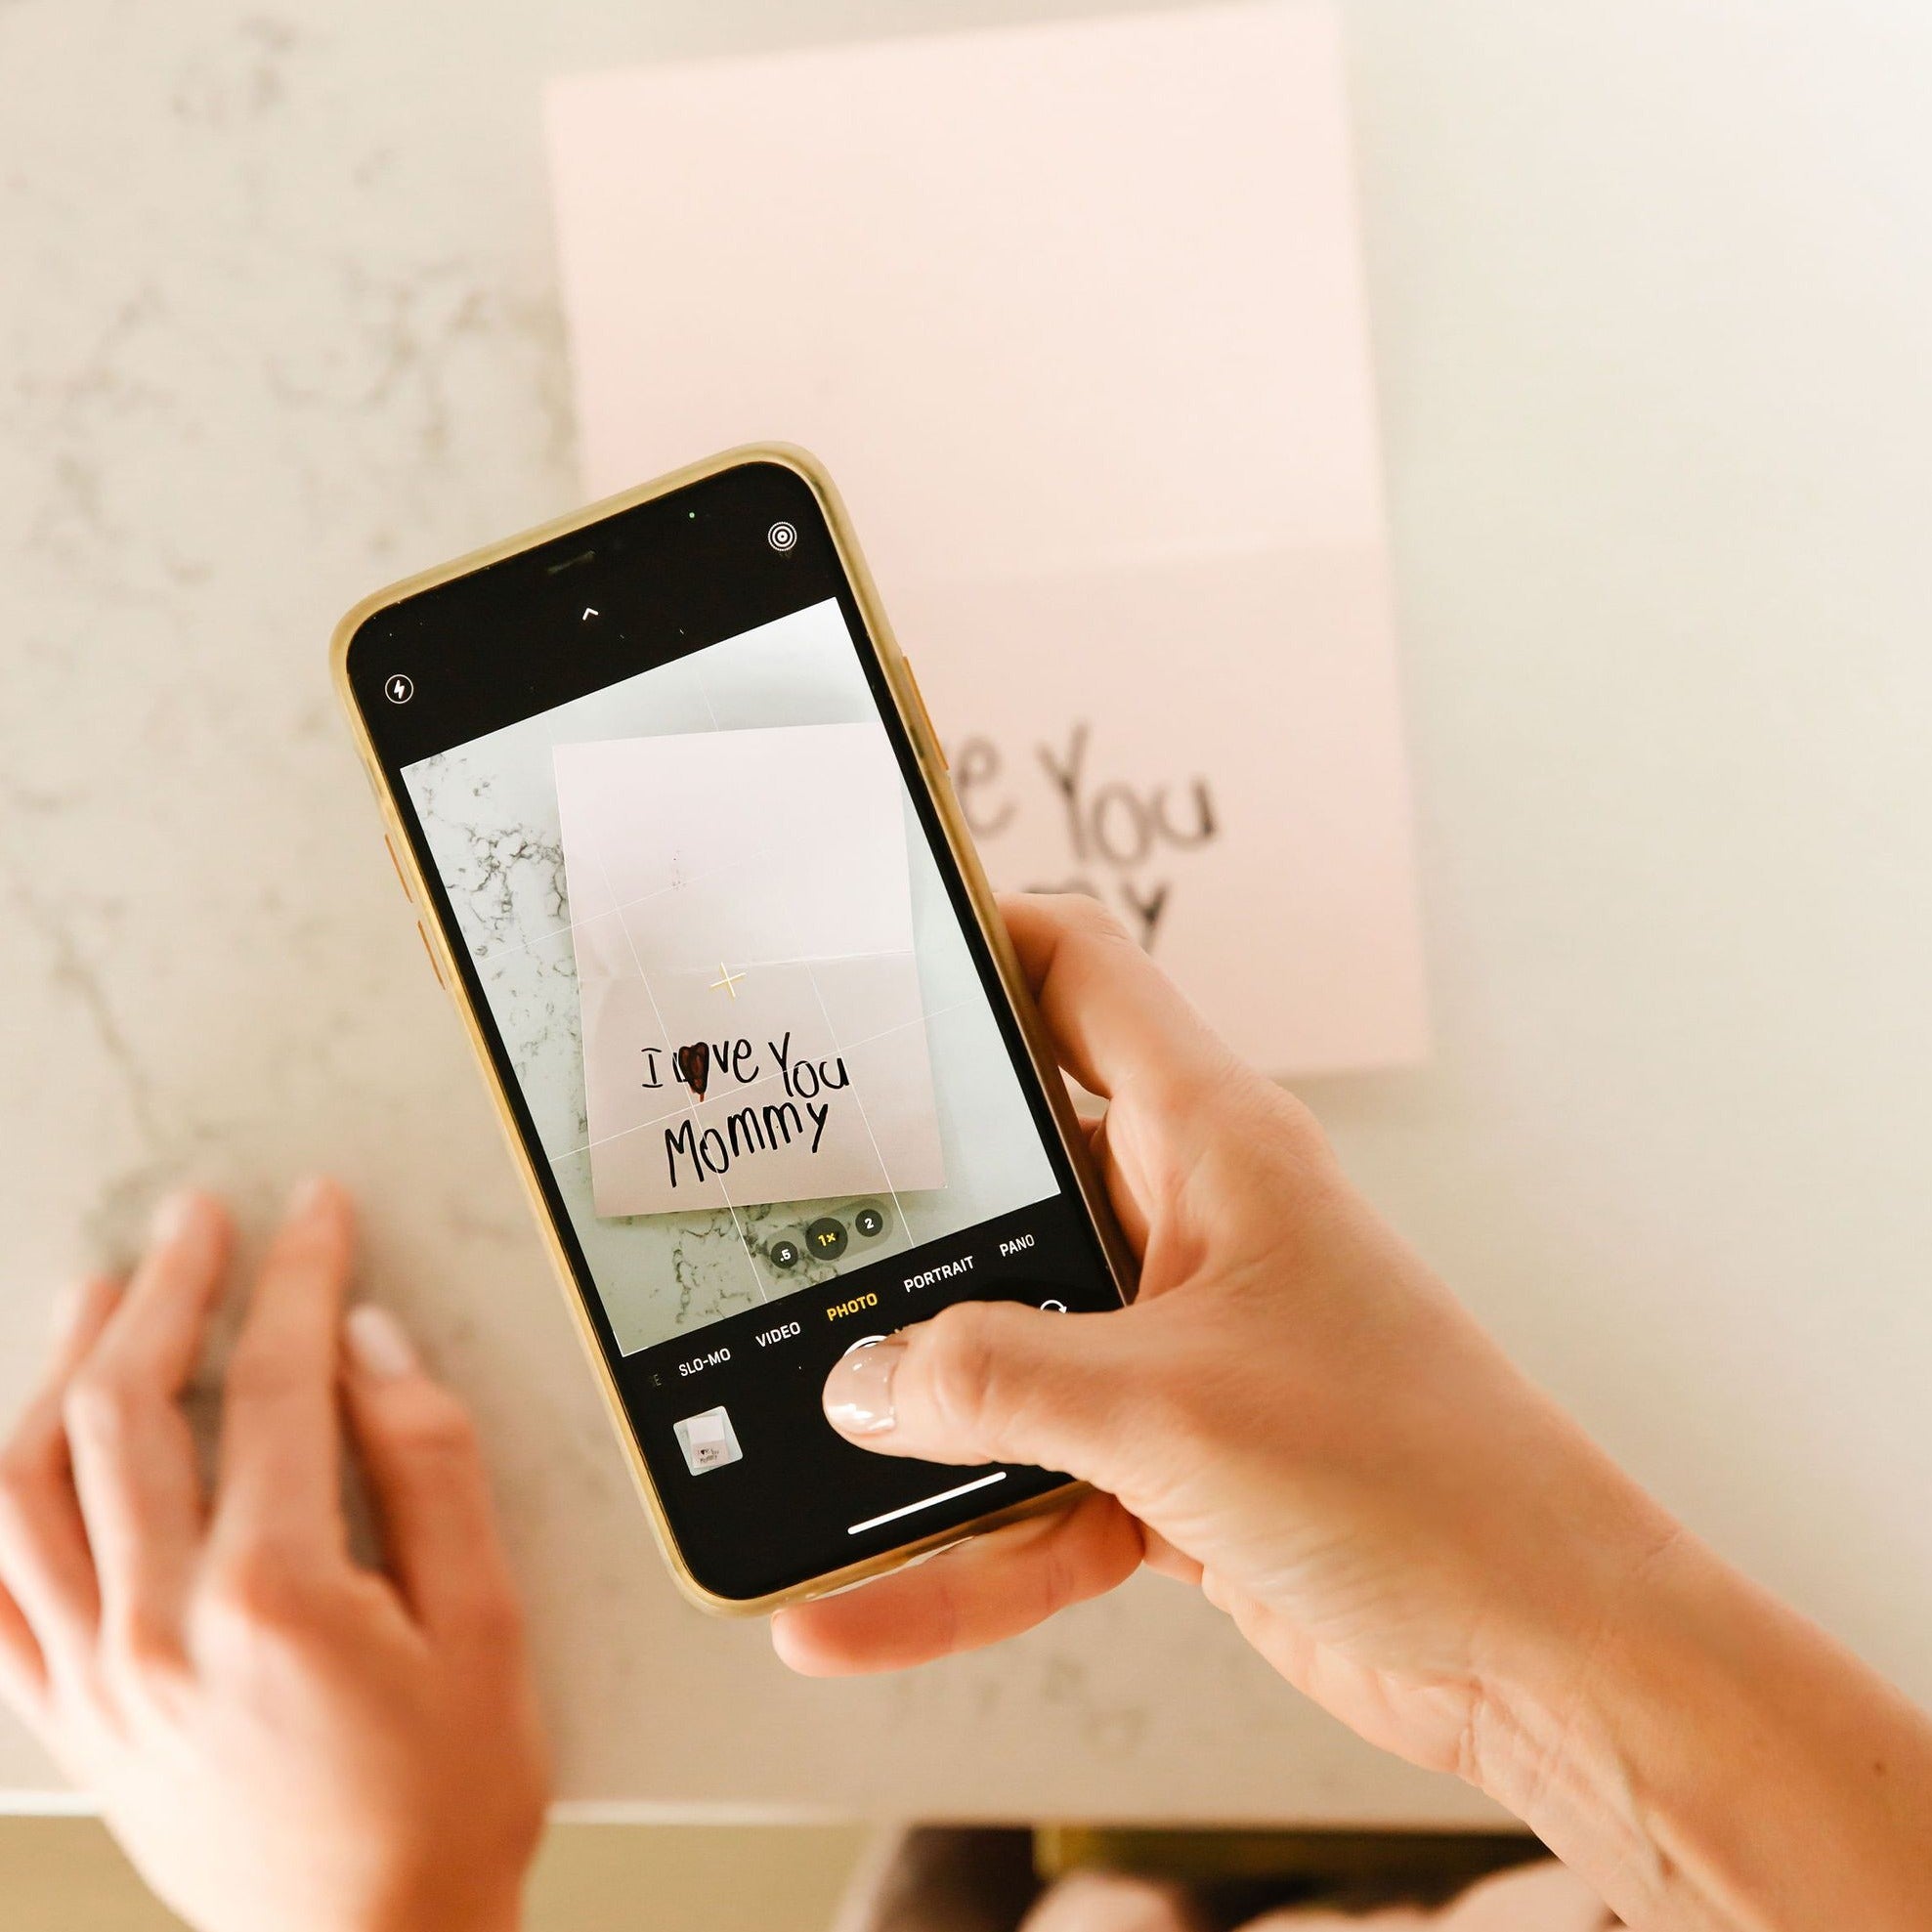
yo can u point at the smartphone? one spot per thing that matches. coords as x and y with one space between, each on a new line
682 849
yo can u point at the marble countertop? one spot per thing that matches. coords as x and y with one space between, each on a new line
1652 286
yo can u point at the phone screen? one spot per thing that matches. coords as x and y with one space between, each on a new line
754 1044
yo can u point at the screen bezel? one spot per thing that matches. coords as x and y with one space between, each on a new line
546 572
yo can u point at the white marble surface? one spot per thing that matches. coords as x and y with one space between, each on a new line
1653 285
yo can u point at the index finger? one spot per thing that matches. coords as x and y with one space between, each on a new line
1116 1018
280 1444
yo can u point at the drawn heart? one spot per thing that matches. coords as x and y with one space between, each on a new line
692 1065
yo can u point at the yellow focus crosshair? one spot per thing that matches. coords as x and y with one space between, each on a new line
730 981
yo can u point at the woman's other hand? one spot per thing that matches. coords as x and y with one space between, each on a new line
277 1734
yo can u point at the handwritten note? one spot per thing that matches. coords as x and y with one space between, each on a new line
1212 748
1098 392
741 912
1121 838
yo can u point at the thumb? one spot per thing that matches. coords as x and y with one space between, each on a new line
991 1381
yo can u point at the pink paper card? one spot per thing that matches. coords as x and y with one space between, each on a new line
1073 311
742 918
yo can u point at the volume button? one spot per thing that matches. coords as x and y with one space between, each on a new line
400 880
925 716
429 953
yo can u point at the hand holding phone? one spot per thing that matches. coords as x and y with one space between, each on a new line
1297 1418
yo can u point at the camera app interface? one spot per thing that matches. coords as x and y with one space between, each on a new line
764 1067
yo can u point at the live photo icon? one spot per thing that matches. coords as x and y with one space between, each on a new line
708 1441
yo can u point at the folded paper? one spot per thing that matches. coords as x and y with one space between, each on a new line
751 1020
1073 311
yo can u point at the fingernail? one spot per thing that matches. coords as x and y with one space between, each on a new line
173 1217
378 1343
858 1392
306 1196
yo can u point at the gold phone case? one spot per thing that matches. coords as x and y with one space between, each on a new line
931 760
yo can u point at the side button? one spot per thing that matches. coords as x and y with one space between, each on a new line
925 716
430 955
388 847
